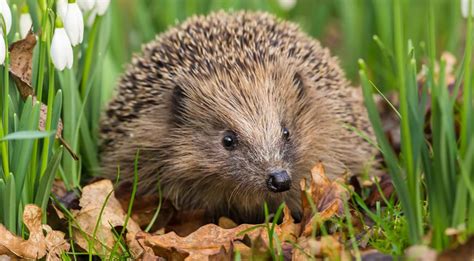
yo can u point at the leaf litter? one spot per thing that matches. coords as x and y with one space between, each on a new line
101 213
37 245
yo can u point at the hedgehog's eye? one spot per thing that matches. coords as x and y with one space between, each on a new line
229 141
286 134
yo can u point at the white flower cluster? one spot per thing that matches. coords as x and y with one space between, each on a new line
68 33
64 38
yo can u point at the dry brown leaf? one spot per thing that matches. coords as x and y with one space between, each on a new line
289 230
325 247
21 64
328 196
227 223
184 223
55 243
260 249
223 254
204 242
37 245
92 201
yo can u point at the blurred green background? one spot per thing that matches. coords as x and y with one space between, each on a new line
346 27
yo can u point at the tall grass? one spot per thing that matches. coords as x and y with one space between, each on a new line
436 171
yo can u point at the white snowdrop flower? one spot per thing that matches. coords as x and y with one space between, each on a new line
74 23
2 50
287 4
61 8
101 6
465 8
61 50
86 5
7 14
25 22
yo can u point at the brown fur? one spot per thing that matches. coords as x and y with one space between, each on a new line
246 72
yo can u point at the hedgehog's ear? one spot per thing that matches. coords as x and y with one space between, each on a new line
299 84
177 105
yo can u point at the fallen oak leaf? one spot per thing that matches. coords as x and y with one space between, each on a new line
37 245
204 242
100 208
289 229
223 254
21 64
328 197
55 243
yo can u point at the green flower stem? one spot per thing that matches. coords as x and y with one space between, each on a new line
51 92
89 56
6 103
4 148
40 81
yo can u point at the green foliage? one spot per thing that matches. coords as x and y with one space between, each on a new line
436 171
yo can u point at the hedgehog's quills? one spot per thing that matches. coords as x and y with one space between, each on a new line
230 111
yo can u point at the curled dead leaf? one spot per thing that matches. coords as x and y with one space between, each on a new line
37 245
21 64
328 197
289 229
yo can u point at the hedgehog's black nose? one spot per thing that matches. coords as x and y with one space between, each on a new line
279 181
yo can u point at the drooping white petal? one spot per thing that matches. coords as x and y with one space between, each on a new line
61 50
2 50
101 6
74 24
25 24
7 15
61 8
86 5
287 4
465 8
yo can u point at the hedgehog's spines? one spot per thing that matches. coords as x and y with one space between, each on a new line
246 71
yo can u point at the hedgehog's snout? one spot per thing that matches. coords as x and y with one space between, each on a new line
279 181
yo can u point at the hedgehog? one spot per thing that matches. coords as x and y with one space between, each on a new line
229 112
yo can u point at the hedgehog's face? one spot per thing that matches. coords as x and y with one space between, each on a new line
241 128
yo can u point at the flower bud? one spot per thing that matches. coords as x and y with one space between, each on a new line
61 50
86 5
7 15
2 50
25 22
101 6
74 24
61 8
